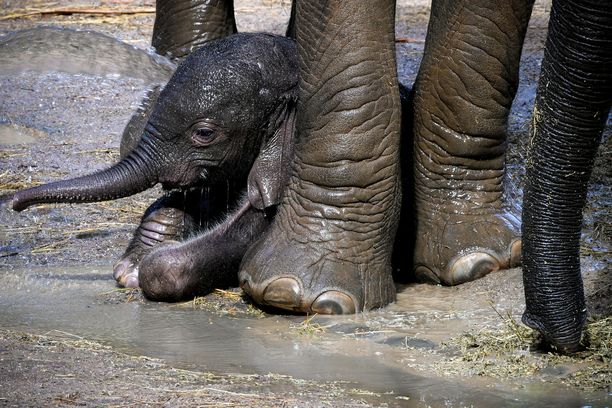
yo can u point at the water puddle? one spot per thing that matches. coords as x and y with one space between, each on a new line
14 134
76 300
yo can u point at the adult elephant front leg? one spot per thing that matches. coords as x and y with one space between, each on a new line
572 104
329 247
463 93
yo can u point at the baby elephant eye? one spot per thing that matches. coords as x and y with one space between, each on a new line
203 136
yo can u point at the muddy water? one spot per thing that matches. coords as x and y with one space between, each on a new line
17 135
75 300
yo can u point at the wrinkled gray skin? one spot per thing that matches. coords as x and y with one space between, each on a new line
218 135
328 250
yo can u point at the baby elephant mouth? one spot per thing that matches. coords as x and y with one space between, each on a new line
183 182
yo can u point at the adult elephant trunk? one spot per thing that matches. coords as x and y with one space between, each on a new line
131 175
572 104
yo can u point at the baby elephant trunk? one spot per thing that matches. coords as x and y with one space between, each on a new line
128 177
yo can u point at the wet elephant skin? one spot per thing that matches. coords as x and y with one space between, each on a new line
215 139
329 248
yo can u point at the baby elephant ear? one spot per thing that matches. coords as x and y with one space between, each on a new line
270 172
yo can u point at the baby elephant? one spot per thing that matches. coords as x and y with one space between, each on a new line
218 138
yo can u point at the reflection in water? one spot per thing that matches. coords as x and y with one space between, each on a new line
15 135
61 299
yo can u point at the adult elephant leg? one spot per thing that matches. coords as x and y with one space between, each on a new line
464 89
181 26
572 104
329 247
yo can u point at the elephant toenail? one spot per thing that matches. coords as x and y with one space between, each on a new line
121 267
425 275
244 284
515 253
284 293
131 281
333 302
470 267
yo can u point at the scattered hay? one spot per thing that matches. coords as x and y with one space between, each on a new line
512 352
112 153
308 327
122 295
9 182
6 153
230 295
51 247
229 302
57 339
62 11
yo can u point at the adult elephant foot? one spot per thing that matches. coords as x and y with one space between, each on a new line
462 99
457 248
164 221
331 275
329 248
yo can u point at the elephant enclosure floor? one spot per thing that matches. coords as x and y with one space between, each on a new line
69 337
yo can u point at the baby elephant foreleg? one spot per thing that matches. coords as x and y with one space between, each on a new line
171 218
197 266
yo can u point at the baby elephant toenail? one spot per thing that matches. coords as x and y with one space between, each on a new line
131 281
333 302
284 293
470 267
121 268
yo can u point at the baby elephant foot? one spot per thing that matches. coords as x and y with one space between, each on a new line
312 278
456 248
166 274
158 226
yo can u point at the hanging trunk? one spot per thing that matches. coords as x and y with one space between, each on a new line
572 104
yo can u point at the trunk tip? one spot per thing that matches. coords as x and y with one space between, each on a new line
12 200
7 199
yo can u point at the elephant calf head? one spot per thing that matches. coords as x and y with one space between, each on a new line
226 113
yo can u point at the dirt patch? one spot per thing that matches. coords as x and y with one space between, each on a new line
58 369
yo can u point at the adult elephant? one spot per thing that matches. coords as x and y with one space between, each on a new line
329 247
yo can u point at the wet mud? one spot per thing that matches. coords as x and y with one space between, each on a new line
61 314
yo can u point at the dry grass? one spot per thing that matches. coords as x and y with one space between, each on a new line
58 338
60 11
224 303
309 328
122 295
511 352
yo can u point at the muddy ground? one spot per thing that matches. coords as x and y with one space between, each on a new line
53 125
